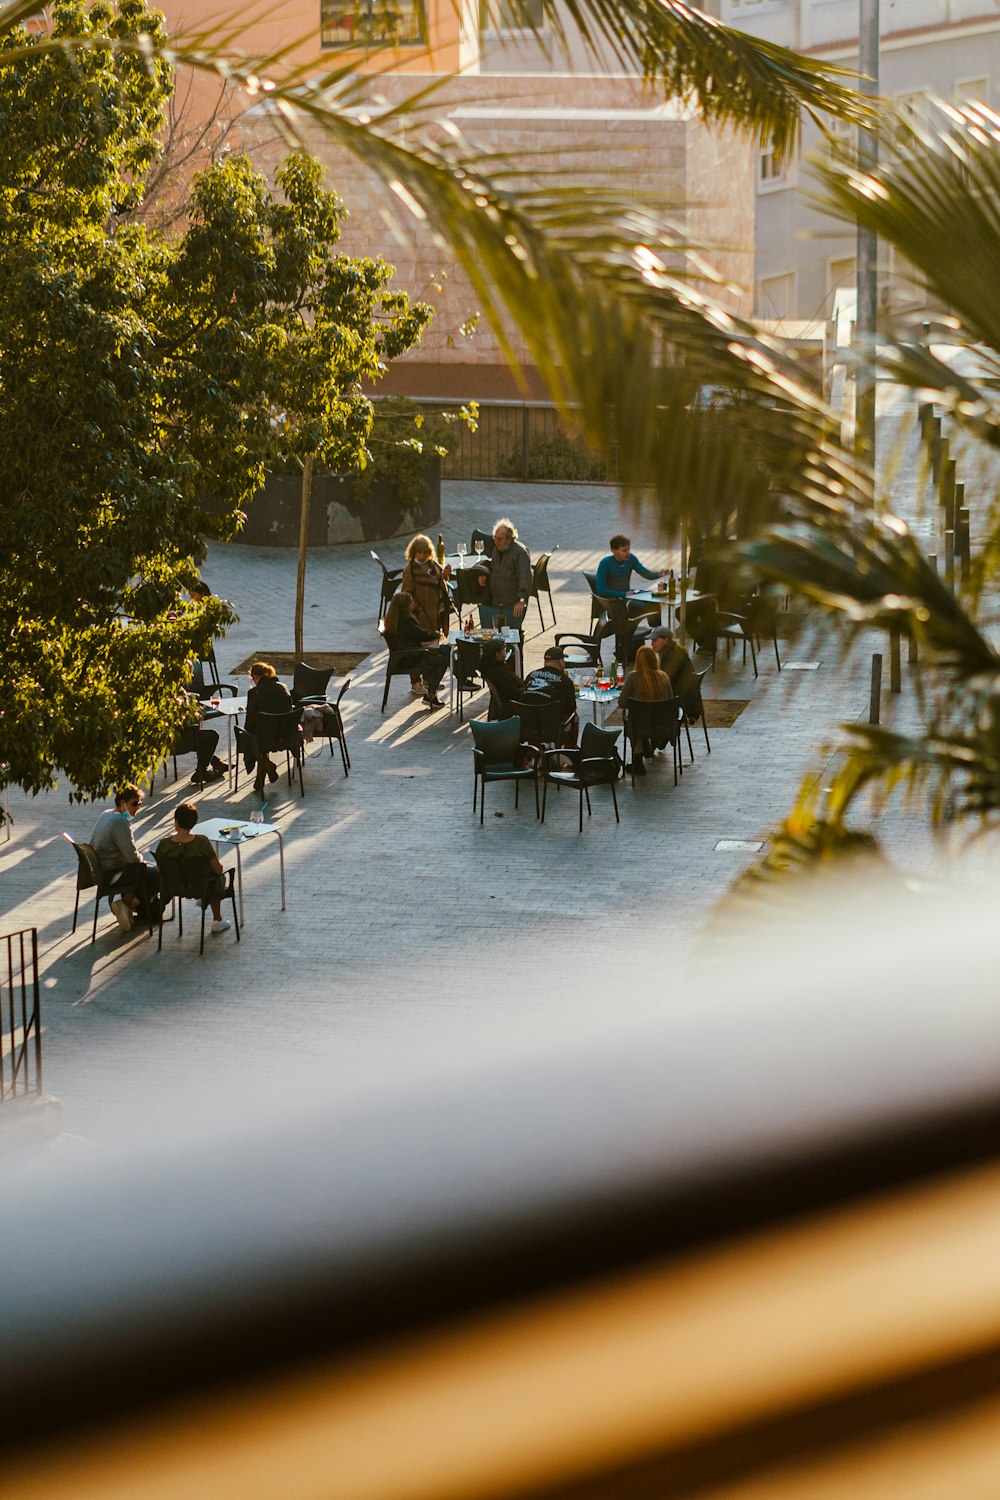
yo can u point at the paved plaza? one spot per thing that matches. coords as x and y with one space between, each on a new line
405 920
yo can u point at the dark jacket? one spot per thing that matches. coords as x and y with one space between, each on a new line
503 680
551 683
269 696
510 576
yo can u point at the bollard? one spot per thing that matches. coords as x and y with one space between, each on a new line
875 699
949 558
938 446
895 671
946 491
964 543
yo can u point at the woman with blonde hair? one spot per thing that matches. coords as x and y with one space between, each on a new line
267 696
424 580
646 683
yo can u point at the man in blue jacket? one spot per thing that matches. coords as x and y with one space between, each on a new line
614 577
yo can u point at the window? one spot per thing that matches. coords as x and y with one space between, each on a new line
972 91
772 173
370 23
504 18
776 297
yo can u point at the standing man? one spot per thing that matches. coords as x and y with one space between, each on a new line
510 577
136 881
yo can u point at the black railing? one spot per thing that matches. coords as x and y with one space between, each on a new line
521 441
20 1021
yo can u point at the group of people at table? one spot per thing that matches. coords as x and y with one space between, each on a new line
418 616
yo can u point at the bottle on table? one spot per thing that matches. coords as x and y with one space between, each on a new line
440 550
672 586
614 671
620 675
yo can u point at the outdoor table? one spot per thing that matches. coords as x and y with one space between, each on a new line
510 637
667 605
603 700
236 833
230 708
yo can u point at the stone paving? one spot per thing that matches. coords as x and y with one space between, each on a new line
405 919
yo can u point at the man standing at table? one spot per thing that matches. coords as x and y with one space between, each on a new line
510 577
614 576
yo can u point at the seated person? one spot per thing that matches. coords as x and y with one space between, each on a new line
182 841
502 678
136 882
404 633
267 696
552 681
646 683
203 743
614 576
675 661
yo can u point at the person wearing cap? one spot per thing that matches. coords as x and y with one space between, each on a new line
552 681
675 661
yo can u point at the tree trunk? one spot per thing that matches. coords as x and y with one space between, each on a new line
300 581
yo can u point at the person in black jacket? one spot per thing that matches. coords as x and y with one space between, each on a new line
403 632
502 678
267 696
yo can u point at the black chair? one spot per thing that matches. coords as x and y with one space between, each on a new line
464 588
190 877
402 663
543 723
497 755
595 763
540 585
247 752
486 537
203 690
391 579
761 616
630 632
706 624
579 650
90 876
658 722
277 732
596 602
309 689
467 672
694 709
210 672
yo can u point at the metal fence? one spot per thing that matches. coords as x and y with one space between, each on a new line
20 1021
520 441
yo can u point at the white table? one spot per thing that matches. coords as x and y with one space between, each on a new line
238 834
602 701
230 708
509 636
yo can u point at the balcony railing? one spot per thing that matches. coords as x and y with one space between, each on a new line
20 1024
369 25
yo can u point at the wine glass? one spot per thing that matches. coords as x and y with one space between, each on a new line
480 544
463 548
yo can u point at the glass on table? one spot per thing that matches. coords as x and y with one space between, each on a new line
480 544
463 548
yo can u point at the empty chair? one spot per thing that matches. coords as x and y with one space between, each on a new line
579 650
694 709
543 723
761 616
247 753
540 585
390 583
499 755
594 764
282 732
309 684
309 690
658 722
596 602
486 537
203 690
190 877
467 670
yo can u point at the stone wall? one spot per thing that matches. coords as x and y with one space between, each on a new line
337 513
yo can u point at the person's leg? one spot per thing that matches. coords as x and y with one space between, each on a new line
205 770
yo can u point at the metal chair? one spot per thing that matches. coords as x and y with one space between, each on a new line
391 579
543 723
694 709
90 876
468 663
203 690
465 589
309 689
190 877
540 585
486 537
595 763
496 756
596 602
579 650
660 722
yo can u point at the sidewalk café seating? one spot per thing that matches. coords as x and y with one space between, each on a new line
391 579
543 724
465 590
190 877
467 672
579 650
659 723
283 732
498 755
694 709
90 876
594 764
540 585
204 691
247 754
630 631
401 663
309 688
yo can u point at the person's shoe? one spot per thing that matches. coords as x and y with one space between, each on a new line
638 766
222 766
272 773
418 688
468 686
199 778
221 925
432 702
122 911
